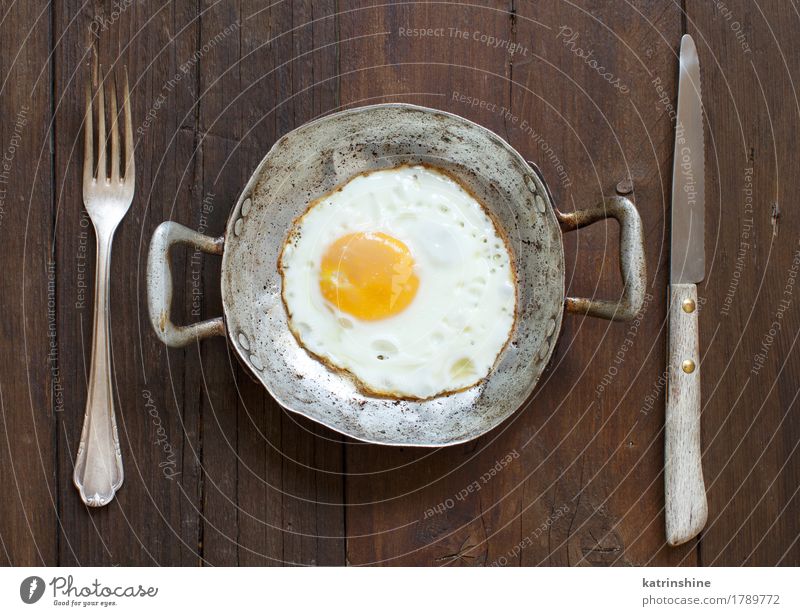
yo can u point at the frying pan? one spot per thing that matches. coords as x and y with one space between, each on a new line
317 157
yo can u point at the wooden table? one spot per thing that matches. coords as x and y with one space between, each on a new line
216 472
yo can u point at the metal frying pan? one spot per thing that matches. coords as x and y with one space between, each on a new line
311 161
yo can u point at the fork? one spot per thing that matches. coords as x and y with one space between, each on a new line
98 466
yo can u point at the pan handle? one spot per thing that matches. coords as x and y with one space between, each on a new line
159 284
631 259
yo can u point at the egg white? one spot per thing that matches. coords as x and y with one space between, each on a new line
450 335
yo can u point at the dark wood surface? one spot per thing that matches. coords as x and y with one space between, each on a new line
231 478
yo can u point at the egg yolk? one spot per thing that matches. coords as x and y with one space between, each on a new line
368 275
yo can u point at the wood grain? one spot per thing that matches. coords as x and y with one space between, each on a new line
216 472
31 384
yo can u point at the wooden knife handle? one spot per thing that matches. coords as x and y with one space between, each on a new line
684 490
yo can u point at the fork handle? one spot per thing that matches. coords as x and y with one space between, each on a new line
98 467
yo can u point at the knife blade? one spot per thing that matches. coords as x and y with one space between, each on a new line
687 256
686 506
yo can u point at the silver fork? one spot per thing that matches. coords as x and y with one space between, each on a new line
98 466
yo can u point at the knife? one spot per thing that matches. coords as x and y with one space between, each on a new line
684 489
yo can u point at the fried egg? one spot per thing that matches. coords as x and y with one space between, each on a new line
400 278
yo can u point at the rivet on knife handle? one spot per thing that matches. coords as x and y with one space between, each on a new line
685 493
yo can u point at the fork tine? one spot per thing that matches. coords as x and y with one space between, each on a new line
88 138
101 128
130 165
114 133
